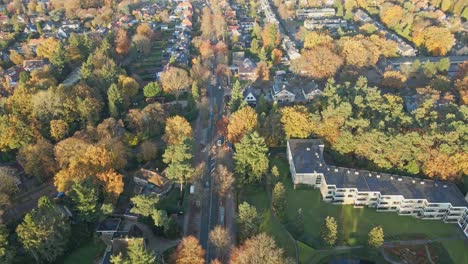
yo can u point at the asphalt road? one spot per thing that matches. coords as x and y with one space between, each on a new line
210 202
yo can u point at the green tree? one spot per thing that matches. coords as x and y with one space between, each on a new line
152 89
237 99
443 65
146 205
376 237
179 157
44 232
115 101
251 158
248 220
254 46
195 92
329 231
6 252
137 253
278 202
85 197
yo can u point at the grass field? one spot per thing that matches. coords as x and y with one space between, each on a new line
86 254
353 224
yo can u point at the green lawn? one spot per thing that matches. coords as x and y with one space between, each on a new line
86 254
457 249
258 197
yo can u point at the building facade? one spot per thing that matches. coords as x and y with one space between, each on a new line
425 199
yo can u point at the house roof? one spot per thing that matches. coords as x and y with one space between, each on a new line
186 22
307 156
109 225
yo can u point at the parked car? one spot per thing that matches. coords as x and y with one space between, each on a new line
220 141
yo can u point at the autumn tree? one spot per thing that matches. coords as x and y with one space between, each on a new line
462 87
145 29
437 40
219 237
38 159
142 44
241 122
43 229
392 15
175 81
313 39
224 180
112 184
394 79
329 231
359 51
258 249
319 62
16 58
147 151
296 121
189 251
79 160
221 126
122 42
177 130
271 37
276 56
248 220
8 178
376 237
58 129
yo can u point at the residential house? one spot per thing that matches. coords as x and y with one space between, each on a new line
281 95
309 92
247 71
147 181
30 28
251 95
30 65
48 26
4 19
420 198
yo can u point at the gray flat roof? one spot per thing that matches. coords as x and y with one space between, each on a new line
307 155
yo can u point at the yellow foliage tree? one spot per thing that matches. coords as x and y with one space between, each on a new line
112 184
241 122
437 40
296 121
177 129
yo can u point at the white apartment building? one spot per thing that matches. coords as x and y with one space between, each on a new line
421 198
